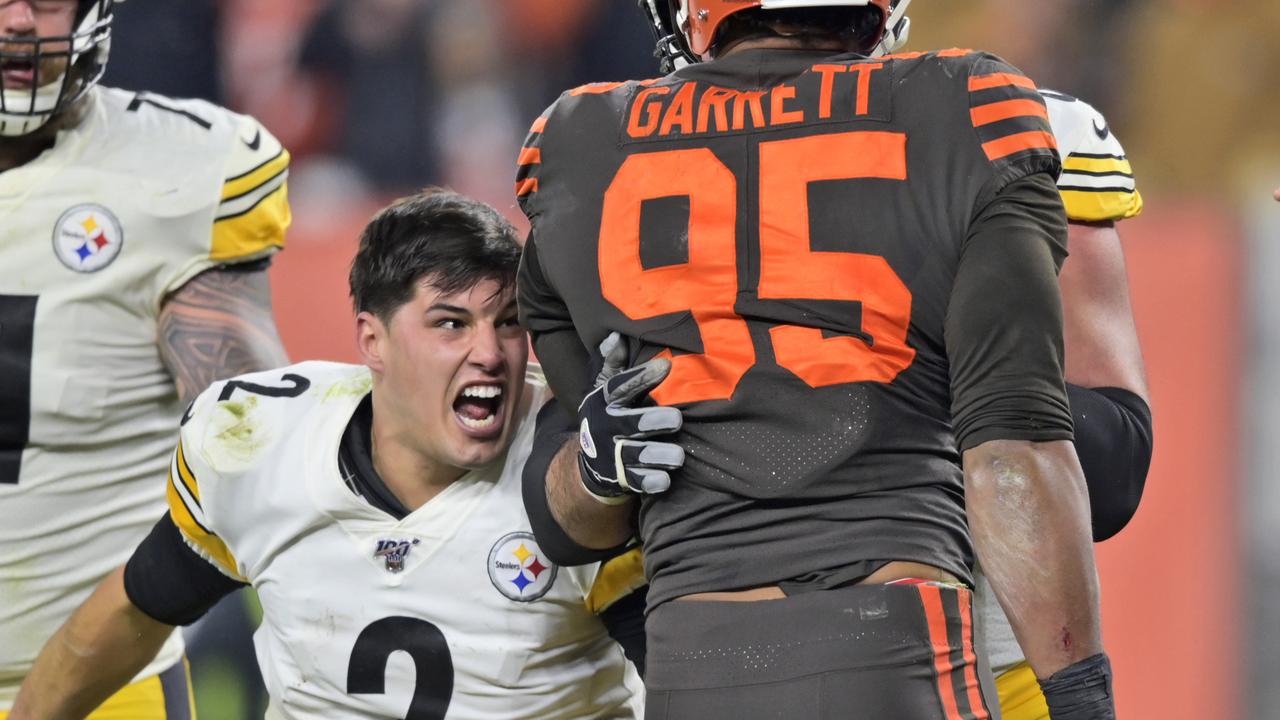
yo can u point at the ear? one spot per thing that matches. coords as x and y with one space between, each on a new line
370 334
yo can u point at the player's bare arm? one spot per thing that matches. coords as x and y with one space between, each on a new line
105 643
1100 336
217 325
1106 379
588 522
1029 514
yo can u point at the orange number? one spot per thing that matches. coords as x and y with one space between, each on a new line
707 284
790 270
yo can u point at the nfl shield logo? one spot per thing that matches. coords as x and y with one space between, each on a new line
394 553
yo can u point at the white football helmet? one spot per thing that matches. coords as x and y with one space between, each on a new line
25 110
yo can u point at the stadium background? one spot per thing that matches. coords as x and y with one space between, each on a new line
378 97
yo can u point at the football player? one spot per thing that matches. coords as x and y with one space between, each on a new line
135 237
375 508
849 265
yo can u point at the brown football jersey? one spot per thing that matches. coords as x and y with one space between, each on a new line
788 227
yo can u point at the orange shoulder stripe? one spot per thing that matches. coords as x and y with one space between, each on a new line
1005 109
1010 144
526 186
994 80
529 156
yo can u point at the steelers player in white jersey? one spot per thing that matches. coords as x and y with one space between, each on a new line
376 509
1105 374
134 234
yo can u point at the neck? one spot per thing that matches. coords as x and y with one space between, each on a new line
411 477
19 150
813 42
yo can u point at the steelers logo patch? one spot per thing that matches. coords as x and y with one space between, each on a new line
518 569
87 238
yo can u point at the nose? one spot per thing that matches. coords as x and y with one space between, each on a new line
17 17
486 350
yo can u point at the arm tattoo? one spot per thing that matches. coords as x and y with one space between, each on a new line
217 325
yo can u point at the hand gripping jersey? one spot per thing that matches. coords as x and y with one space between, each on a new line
788 227
143 195
1097 185
451 612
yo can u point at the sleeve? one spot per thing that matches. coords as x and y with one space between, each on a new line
1097 181
1004 321
253 208
529 164
1011 121
1113 436
168 581
187 501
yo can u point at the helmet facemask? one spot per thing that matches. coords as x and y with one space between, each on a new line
64 68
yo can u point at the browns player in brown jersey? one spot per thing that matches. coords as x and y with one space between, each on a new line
841 272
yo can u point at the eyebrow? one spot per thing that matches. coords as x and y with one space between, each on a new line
446 307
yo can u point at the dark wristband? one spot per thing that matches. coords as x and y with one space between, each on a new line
1081 691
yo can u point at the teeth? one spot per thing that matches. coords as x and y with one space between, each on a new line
483 391
478 424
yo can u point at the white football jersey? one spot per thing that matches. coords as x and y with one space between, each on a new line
453 611
144 194
1097 185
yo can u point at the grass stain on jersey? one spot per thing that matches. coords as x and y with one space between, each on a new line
355 386
236 433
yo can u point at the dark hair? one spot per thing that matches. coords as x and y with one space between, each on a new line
438 234
856 27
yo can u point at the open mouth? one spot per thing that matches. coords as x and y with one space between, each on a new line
18 73
479 406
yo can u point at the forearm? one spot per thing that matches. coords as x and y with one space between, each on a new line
103 645
1028 513
585 519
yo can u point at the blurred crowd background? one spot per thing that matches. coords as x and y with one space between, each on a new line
376 98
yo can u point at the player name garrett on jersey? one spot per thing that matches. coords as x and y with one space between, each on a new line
487 625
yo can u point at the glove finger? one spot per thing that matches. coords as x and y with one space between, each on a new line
647 481
624 388
645 421
614 352
657 455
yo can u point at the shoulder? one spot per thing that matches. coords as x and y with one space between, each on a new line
227 167
235 424
578 118
1097 180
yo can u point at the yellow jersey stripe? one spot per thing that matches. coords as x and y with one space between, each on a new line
247 181
209 544
1077 163
255 231
618 578
1101 205
188 477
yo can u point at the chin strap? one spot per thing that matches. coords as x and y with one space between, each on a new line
897 28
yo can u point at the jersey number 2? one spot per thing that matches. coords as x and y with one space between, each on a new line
366 673
17 332
707 284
